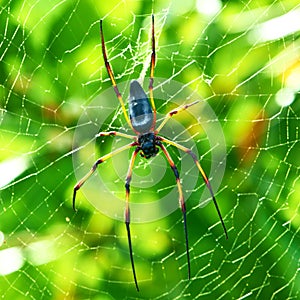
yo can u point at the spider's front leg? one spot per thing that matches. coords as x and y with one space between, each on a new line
181 202
205 178
94 167
127 211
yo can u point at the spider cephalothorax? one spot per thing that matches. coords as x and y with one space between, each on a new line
148 144
142 120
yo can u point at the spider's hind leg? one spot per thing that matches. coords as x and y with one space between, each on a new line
153 57
112 77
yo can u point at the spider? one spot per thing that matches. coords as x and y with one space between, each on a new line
147 142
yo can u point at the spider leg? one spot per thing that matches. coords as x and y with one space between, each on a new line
153 55
181 203
127 212
112 78
172 113
206 180
116 133
94 167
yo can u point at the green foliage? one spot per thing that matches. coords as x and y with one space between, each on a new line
51 69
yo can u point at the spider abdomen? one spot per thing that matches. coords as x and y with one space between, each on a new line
140 111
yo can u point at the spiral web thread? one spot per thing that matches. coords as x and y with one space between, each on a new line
51 70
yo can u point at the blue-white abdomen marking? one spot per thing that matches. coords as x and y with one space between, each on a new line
140 111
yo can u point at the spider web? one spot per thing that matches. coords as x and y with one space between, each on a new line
242 57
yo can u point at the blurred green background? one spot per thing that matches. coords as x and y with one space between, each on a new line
242 57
